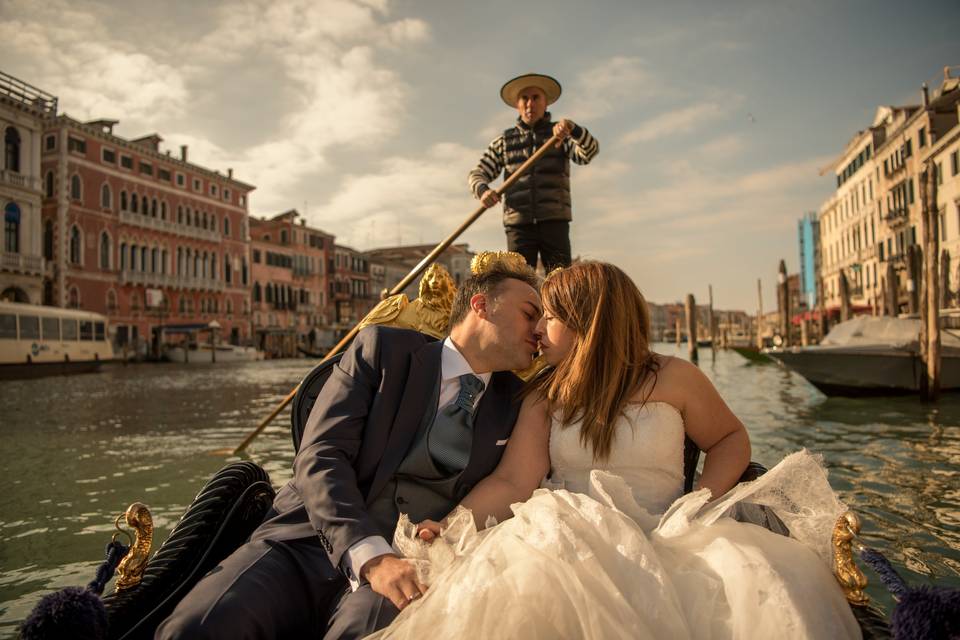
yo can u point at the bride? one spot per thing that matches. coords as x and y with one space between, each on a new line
608 547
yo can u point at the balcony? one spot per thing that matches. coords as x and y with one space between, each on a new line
15 179
158 224
30 265
897 215
171 281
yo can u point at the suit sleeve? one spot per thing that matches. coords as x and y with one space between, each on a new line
323 471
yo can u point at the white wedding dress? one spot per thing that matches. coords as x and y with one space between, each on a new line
612 550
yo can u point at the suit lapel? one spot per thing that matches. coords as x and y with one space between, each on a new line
421 382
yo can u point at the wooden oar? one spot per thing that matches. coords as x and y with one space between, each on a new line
403 284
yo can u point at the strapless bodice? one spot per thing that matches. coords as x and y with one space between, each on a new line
647 453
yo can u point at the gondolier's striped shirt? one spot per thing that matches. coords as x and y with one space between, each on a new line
580 147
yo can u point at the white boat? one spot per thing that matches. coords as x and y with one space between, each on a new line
39 341
204 352
872 356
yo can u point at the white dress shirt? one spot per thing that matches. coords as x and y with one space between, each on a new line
452 366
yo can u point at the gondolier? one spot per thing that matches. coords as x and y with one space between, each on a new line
537 209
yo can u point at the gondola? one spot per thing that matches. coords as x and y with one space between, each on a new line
236 499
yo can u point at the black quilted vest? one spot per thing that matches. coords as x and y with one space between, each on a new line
543 192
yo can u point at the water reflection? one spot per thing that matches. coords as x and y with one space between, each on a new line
80 449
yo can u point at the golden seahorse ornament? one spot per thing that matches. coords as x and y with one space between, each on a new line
131 568
847 572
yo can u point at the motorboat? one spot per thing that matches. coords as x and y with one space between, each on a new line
871 356
40 341
208 353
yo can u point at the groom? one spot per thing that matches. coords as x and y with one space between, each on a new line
403 425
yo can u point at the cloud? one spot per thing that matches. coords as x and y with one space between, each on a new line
70 53
676 122
611 86
420 198
272 89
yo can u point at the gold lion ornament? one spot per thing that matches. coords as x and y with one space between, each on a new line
429 313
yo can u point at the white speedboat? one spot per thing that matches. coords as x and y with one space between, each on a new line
40 341
207 353
871 356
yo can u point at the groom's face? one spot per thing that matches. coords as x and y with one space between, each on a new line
512 315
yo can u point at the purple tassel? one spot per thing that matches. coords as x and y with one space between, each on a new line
75 612
922 613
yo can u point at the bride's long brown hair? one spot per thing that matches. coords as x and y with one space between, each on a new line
611 358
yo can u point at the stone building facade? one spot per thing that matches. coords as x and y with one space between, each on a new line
149 239
24 110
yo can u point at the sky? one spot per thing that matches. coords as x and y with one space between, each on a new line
714 118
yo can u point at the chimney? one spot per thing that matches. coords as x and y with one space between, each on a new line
183 152
230 172
925 95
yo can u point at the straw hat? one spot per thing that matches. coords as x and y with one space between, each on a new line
510 91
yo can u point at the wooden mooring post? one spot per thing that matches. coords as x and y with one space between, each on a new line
783 303
844 297
891 294
759 315
691 311
679 333
914 270
930 287
713 333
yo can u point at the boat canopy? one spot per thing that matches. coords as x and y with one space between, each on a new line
885 331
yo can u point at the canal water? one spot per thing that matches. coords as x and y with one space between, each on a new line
77 450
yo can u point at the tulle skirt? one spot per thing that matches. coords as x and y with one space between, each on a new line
597 565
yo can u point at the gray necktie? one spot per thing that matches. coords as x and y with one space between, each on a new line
452 432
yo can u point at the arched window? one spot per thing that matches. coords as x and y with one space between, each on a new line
189 219
11 228
111 301
144 259
164 256
163 210
196 218
203 265
48 184
75 245
123 255
73 298
204 221
179 214
196 264
153 208
256 292
48 239
133 202
106 198
227 274
182 305
226 226
104 250
134 254
243 271
154 259
76 187
213 266
11 147
229 306
268 293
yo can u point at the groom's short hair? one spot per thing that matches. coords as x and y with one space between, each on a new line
487 283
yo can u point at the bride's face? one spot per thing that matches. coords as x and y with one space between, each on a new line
556 338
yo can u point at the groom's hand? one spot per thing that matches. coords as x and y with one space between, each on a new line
394 578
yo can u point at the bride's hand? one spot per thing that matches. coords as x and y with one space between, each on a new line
428 530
